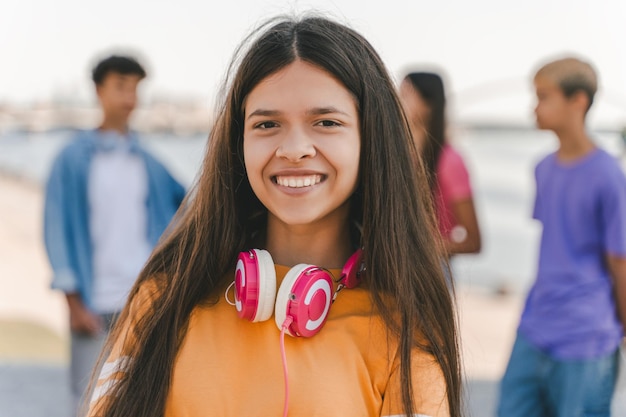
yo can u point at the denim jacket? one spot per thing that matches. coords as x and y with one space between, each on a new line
66 212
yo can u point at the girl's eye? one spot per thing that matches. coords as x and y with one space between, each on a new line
328 123
265 125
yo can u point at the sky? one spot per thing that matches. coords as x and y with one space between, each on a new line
488 49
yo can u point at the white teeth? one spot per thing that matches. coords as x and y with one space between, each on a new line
299 182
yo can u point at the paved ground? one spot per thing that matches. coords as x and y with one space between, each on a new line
41 391
28 390
35 384
34 376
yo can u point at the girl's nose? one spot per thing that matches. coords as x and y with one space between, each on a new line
296 146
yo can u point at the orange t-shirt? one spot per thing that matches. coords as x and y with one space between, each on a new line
231 367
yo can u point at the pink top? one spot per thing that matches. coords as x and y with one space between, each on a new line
453 185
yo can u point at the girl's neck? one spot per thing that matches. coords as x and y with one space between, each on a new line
326 245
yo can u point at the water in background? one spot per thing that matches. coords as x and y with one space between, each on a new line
501 164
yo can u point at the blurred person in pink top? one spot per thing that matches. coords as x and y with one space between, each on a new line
423 98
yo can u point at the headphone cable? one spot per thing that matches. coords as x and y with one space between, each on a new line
284 327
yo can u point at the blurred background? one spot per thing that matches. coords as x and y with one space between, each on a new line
488 50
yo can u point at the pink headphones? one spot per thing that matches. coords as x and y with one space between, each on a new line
305 294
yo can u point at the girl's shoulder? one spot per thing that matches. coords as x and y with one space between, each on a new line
144 296
450 156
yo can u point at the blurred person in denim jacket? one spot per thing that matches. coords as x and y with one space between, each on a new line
107 203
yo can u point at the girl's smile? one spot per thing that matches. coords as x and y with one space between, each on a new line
295 181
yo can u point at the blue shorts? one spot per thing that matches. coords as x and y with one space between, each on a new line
536 385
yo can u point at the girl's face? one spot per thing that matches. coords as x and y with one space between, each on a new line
302 145
417 110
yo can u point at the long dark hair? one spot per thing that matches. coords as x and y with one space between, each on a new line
430 86
194 264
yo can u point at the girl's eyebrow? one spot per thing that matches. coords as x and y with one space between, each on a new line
315 111
263 112
325 110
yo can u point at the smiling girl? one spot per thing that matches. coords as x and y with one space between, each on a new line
311 218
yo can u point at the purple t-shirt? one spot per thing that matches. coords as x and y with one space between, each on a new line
570 312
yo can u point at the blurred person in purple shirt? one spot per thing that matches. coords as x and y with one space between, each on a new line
565 357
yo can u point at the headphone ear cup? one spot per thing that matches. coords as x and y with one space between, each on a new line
305 295
255 285
267 286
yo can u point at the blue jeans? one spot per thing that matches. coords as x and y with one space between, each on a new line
536 385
